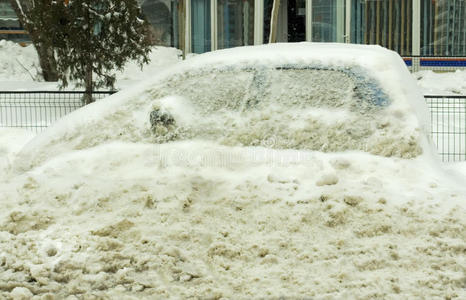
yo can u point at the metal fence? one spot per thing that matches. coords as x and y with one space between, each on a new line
448 121
36 110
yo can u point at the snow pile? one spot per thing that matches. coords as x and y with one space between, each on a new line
11 142
446 83
104 212
194 219
18 63
160 58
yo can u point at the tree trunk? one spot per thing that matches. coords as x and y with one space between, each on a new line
274 21
43 44
88 63
88 83
47 61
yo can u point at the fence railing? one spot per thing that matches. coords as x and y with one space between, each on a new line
36 110
437 63
448 121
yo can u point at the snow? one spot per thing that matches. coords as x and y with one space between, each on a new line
18 63
93 208
194 219
19 67
446 83
399 130
11 142
160 58
437 83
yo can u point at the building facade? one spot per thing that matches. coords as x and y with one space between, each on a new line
10 29
411 27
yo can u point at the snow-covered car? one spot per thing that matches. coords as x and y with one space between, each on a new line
321 97
287 170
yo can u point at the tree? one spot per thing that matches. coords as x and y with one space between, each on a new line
40 23
99 37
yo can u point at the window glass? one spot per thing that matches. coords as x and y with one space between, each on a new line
285 108
296 20
291 25
443 28
166 18
200 26
8 17
235 23
10 28
385 22
328 20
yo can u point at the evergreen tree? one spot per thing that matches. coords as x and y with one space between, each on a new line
97 37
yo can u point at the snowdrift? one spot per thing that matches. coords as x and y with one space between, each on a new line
230 199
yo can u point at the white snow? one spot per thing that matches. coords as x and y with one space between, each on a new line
445 83
25 64
20 68
11 142
160 59
93 208
18 63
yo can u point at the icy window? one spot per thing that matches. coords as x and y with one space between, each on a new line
286 108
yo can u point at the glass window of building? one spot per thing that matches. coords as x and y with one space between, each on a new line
235 23
167 20
200 26
8 18
10 28
291 25
443 27
328 21
384 22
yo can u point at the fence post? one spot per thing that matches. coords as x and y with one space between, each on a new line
416 34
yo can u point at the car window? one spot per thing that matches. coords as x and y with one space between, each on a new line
212 91
285 108
291 86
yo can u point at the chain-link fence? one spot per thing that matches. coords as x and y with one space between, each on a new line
448 119
36 110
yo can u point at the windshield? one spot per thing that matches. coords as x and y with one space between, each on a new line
284 108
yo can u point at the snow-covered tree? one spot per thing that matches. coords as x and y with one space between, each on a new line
98 37
85 40
40 21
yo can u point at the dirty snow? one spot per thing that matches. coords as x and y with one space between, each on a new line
101 211
195 219
260 114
